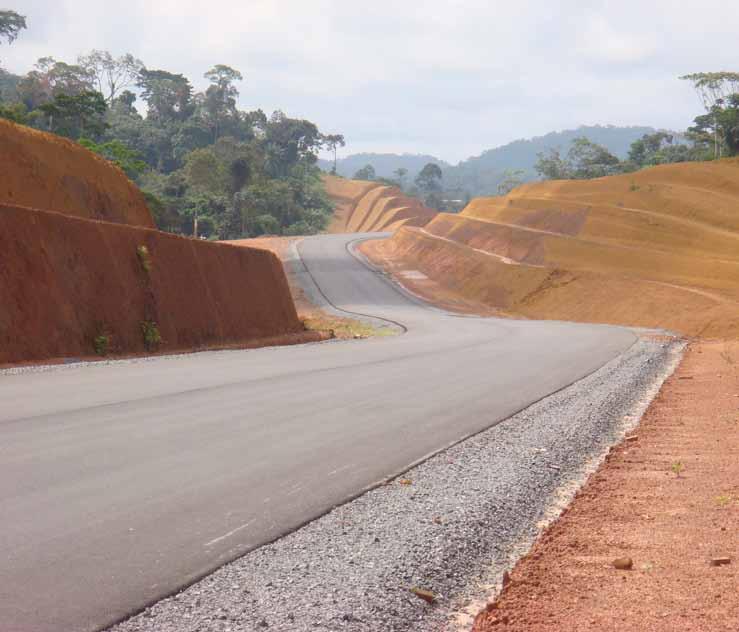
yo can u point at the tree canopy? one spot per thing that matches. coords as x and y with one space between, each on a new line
206 167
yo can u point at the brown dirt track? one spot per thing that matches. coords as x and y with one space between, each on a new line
66 280
637 507
372 207
657 248
48 172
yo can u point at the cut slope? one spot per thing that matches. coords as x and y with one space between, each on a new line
659 247
64 281
45 171
372 207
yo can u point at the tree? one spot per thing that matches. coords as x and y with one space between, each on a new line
365 173
11 24
204 172
167 95
124 157
551 166
219 100
590 160
585 160
76 116
400 173
714 90
512 178
429 178
111 75
51 78
332 142
287 142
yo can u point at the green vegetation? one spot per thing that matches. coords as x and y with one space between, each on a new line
206 168
142 253
152 337
101 344
714 135
677 468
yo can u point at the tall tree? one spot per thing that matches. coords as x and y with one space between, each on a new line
111 76
76 116
332 142
512 178
429 182
11 24
365 173
167 95
51 78
714 90
219 101
400 173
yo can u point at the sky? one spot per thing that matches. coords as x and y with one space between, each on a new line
449 78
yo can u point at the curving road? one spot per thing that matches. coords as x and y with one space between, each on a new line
121 482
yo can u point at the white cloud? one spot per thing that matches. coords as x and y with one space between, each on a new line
445 77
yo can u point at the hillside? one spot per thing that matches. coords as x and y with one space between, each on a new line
73 285
480 175
362 206
49 172
656 248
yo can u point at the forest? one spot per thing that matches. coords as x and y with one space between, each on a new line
206 167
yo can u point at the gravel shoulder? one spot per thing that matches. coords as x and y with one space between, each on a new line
667 500
450 526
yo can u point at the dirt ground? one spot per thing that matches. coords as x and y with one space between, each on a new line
667 499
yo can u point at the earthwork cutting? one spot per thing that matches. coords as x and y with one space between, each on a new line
258 373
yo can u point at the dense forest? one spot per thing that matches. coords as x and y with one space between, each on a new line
206 167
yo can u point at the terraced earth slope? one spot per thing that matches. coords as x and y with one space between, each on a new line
656 248
372 207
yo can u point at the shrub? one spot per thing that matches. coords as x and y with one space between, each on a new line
152 337
142 252
101 344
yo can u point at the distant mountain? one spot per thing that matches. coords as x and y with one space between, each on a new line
384 164
480 175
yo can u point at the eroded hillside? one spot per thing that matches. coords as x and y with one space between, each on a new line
372 207
656 248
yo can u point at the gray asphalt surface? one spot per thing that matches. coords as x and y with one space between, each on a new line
121 482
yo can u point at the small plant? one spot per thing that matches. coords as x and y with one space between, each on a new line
634 187
677 468
723 500
142 252
101 344
152 337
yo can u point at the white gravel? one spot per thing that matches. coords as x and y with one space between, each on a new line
458 521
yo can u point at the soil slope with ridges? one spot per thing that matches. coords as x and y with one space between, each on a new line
659 247
362 206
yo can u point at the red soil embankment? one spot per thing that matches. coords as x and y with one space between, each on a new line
656 248
372 207
65 280
45 171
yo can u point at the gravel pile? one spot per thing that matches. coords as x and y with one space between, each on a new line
450 526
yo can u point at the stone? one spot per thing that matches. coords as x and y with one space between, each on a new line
720 561
623 563
426 595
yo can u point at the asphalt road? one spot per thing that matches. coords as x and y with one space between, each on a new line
120 483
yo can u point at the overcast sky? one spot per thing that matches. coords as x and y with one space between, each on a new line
447 78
